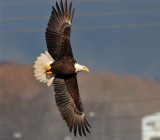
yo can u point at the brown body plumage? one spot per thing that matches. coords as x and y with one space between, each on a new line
64 68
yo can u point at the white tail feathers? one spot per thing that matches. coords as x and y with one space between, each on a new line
40 65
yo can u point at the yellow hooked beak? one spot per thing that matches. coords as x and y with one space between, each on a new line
86 69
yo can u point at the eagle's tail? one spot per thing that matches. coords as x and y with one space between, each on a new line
42 66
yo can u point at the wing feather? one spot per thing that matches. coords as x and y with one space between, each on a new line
69 104
70 8
58 30
66 9
58 9
62 7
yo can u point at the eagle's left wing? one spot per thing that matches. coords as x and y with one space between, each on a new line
69 104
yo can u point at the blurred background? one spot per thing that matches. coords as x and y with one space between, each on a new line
119 40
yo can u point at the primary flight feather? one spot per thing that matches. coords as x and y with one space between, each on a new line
58 66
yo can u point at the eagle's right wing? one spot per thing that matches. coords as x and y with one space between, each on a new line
70 105
59 29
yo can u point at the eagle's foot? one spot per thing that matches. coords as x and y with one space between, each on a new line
48 72
48 68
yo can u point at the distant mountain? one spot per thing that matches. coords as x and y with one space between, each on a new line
5 62
117 104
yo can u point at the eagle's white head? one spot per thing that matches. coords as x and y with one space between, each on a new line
79 68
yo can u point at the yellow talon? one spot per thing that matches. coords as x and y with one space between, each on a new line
48 68
48 72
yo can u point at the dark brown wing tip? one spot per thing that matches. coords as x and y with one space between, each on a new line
72 14
75 129
87 123
63 8
79 130
80 126
70 8
58 8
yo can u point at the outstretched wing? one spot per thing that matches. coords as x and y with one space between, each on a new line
58 30
70 105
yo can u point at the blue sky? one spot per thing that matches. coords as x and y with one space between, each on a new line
119 36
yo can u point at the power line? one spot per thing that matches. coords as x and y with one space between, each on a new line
8 19
94 133
22 31
25 3
119 13
19 3
119 26
91 120
95 27
92 103
100 14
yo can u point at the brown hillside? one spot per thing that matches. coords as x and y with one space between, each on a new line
119 103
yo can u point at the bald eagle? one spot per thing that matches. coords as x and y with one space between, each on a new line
58 66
